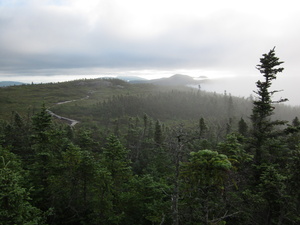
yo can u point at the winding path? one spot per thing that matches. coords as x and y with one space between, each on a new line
68 120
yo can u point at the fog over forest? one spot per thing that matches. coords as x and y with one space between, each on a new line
240 86
244 87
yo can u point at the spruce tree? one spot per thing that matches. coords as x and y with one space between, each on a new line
158 133
268 188
202 127
243 127
296 122
263 127
41 124
15 204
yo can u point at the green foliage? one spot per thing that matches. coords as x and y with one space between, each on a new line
296 122
269 195
171 105
41 124
263 108
207 167
145 201
15 206
204 177
115 159
243 127
202 127
158 138
16 137
234 150
293 182
140 155
269 201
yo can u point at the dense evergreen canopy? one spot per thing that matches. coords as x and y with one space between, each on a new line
147 155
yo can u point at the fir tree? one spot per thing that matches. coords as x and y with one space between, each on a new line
243 127
158 133
296 122
202 127
268 185
15 206
263 107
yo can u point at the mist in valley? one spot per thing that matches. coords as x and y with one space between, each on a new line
244 86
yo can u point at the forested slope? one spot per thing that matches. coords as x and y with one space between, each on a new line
144 154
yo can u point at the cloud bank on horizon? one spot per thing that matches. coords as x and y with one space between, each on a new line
53 37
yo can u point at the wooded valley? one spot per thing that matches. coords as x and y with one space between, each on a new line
148 154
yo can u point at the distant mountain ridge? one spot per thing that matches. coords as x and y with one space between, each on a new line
10 83
177 79
131 78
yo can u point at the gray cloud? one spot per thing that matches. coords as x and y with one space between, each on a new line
37 38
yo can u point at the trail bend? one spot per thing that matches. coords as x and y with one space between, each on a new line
70 121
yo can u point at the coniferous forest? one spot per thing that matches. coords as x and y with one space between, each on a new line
147 154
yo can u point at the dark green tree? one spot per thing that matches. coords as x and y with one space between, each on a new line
230 109
234 150
229 126
48 142
41 123
116 162
263 109
15 206
296 122
74 185
146 201
243 127
158 138
269 148
202 127
17 137
202 187
293 174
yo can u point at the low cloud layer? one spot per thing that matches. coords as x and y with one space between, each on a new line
98 35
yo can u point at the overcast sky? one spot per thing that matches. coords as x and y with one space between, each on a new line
146 37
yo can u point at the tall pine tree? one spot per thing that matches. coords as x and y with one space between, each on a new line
263 127
269 180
